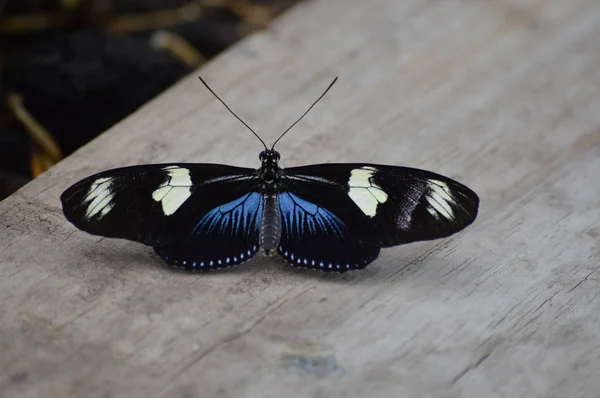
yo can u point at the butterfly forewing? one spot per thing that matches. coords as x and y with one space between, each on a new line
194 215
420 205
373 206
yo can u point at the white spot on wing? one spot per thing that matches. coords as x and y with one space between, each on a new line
175 190
440 199
99 198
363 192
161 192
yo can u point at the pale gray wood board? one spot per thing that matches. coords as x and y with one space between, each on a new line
501 95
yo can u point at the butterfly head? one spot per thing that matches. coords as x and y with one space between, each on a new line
269 157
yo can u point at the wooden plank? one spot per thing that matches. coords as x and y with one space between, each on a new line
502 95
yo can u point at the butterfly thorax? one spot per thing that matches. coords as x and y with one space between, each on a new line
270 230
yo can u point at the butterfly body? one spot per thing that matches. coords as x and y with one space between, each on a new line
269 174
328 217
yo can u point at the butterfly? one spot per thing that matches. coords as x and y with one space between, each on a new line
328 217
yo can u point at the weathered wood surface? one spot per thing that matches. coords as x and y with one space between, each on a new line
502 95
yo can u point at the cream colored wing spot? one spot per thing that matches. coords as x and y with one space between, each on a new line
439 199
175 190
365 194
99 198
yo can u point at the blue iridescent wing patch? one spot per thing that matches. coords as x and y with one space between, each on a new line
225 236
314 237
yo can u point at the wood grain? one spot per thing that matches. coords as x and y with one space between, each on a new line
501 95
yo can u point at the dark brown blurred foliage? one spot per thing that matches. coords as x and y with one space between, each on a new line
70 69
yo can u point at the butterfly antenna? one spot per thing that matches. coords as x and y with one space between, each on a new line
304 114
232 112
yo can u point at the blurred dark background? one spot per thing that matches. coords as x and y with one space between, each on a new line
70 69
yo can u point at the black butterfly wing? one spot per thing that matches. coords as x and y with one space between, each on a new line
198 216
317 234
367 207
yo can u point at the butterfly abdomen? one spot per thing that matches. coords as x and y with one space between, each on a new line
270 230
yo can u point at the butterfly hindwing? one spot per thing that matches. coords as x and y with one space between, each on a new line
194 215
314 236
374 206
226 235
